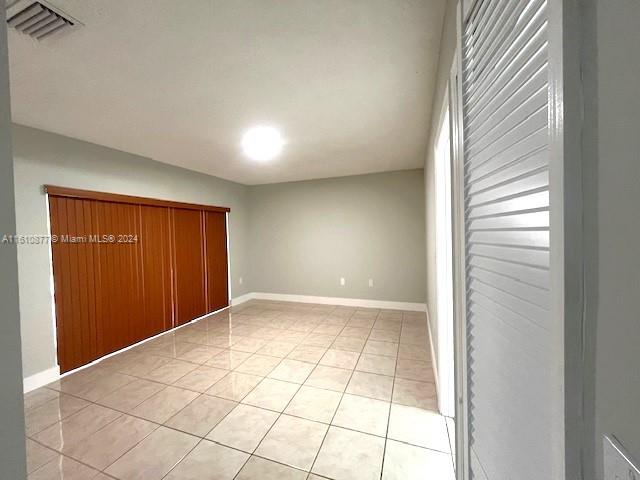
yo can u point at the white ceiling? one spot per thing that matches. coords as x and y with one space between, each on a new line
348 82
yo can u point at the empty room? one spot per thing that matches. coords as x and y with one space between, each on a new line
319 240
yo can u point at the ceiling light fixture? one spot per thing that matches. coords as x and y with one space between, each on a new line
262 143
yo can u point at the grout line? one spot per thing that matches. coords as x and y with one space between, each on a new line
343 392
238 402
323 314
451 443
288 403
181 458
393 387
56 459
279 416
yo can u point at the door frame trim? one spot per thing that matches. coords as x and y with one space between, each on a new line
131 199
566 226
462 454
445 373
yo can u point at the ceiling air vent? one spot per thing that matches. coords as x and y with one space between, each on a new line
37 19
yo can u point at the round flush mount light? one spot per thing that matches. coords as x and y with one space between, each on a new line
262 143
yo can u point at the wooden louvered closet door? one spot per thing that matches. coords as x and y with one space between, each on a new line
188 265
166 266
76 281
216 241
157 255
119 285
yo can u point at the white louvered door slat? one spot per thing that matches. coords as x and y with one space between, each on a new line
505 99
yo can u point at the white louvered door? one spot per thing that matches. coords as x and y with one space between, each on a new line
512 376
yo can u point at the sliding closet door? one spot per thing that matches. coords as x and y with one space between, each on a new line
514 379
76 281
216 260
155 241
127 268
97 284
188 265
120 283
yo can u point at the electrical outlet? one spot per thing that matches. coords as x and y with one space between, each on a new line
240 280
618 464
371 282
343 282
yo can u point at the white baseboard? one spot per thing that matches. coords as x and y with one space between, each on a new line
40 379
241 299
52 374
443 407
348 302
434 360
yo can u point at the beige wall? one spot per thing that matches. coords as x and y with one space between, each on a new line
447 52
45 158
306 235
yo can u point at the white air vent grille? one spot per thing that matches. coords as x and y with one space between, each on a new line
37 19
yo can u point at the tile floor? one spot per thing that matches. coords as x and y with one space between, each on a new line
272 390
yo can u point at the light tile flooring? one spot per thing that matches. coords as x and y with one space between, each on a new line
272 390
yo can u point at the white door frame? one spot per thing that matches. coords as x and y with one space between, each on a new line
567 231
444 260
459 264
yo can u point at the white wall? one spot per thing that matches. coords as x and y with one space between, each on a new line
45 158
306 235
12 446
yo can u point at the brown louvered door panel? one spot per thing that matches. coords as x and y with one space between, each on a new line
188 265
155 241
120 287
216 260
143 267
76 275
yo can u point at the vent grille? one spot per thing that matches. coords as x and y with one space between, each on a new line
37 19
